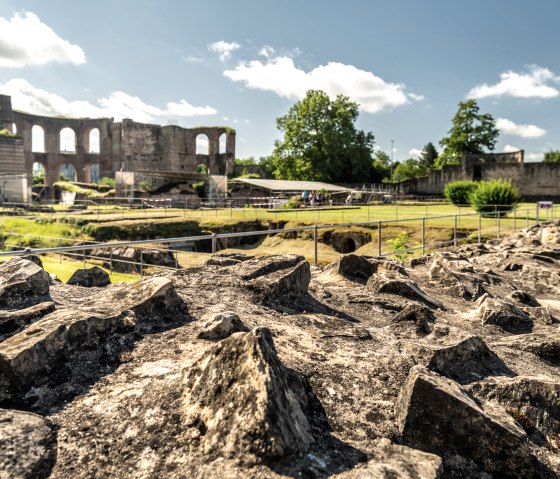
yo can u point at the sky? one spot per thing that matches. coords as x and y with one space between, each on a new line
407 63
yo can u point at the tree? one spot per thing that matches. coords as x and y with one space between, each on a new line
409 169
552 156
380 167
470 132
429 155
320 141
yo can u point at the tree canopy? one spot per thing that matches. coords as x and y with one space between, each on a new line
409 169
471 132
429 155
380 167
552 156
321 143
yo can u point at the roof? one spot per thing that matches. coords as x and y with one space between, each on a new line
290 186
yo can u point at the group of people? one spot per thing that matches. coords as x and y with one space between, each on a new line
316 198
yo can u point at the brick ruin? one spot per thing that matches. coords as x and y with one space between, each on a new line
534 180
101 147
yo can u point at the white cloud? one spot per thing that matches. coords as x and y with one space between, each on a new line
524 131
281 76
510 149
192 59
416 97
223 49
532 157
25 41
534 83
267 51
415 152
118 105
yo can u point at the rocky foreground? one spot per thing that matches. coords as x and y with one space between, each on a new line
445 367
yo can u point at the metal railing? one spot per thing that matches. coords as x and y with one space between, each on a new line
471 227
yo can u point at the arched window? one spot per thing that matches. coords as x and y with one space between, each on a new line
37 139
67 172
202 144
222 148
94 173
38 174
67 140
94 141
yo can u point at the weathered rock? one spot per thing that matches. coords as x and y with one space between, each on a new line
22 282
393 283
464 361
436 415
28 445
28 357
34 259
128 259
265 265
354 267
282 282
457 276
242 402
90 277
390 461
539 314
550 235
546 346
14 319
524 297
227 259
420 315
535 397
505 315
221 325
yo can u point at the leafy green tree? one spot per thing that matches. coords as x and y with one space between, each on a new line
552 156
429 155
380 167
470 132
267 166
320 141
249 161
409 169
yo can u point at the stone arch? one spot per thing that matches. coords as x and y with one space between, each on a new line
37 139
67 140
202 144
39 170
68 170
222 142
94 142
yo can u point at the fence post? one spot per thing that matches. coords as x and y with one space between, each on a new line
379 238
141 262
498 235
315 244
514 220
423 236
111 260
537 214
479 227
455 231
527 218
176 262
214 243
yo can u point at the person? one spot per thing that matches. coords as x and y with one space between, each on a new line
329 196
311 199
349 199
305 195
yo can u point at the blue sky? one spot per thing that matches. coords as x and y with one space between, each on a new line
242 64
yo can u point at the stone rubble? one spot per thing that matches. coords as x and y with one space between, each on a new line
266 367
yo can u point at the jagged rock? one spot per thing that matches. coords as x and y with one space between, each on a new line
149 298
281 282
28 357
34 259
392 283
535 397
22 282
221 325
550 235
458 277
420 315
28 445
436 415
265 265
539 314
546 346
14 319
90 277
505 315
227 259
464 361
354 267
390 461
524 298
242 402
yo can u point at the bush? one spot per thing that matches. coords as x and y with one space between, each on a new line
292 203
494 195
458 192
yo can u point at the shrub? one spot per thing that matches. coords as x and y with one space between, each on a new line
292 203
458 192
494 195
399 245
